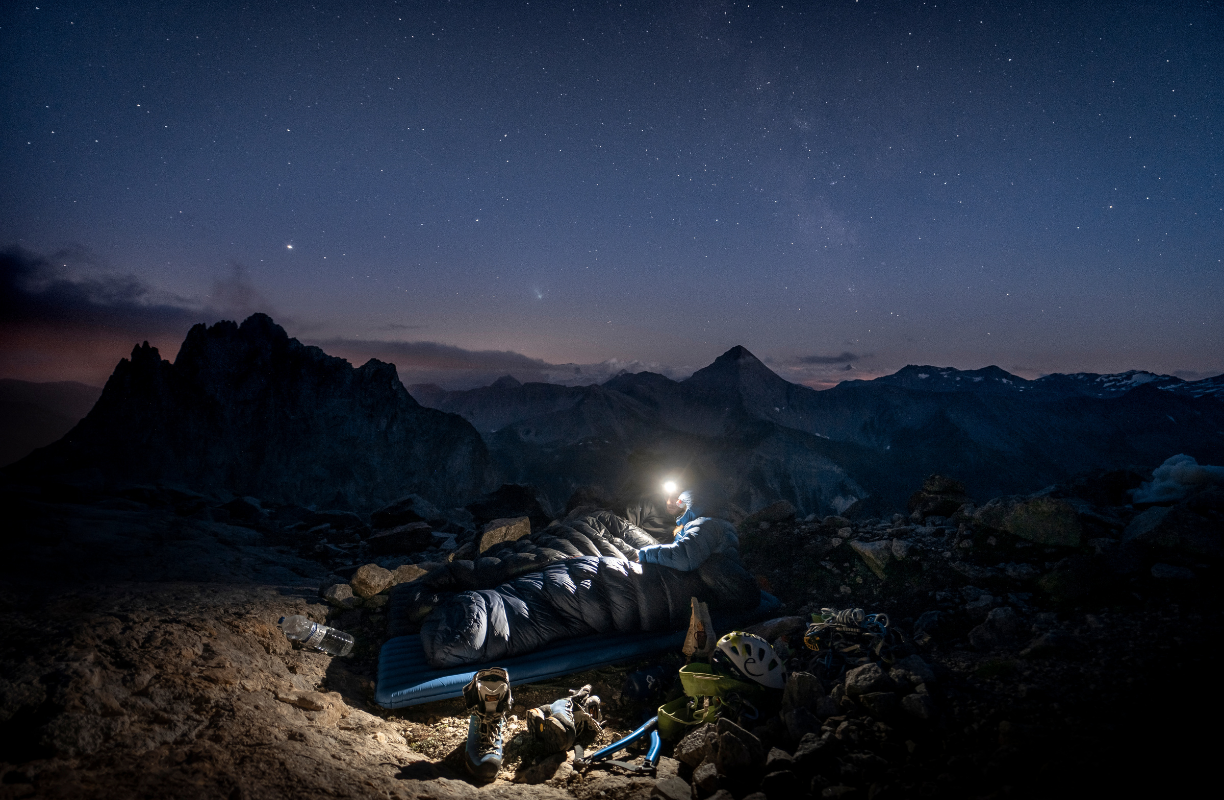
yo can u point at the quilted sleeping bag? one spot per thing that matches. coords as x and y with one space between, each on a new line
578 597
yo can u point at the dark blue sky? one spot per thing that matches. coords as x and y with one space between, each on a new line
1033 185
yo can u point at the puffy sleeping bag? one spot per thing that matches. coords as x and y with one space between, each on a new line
599 533
578 597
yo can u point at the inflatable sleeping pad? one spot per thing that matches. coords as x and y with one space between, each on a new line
405 677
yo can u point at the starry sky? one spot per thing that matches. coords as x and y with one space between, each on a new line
562 190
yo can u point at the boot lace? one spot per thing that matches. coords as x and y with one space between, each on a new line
491 728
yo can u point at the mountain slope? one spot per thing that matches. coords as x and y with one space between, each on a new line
248 410
33 415
738 420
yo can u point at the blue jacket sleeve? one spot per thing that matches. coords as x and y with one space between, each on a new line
699 539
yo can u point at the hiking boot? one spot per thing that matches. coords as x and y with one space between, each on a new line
558 725
488 697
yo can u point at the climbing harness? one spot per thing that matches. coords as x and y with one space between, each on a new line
709 695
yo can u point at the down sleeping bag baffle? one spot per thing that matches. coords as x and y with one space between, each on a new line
578 597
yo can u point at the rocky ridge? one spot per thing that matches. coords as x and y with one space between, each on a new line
246 410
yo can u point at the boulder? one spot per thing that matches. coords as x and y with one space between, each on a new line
912 670
1041 520
781 511
341 596
938 497
673 788
705 778
737 748
339 520
407 573
920 705
1178 528
879 704
502 530
866 679
371 579
1073 578
875 555
927 622
799 721
697 745
803 690
1002 625
814 754
412 508
408 538
509 501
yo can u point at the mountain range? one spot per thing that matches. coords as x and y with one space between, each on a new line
738 423
247 410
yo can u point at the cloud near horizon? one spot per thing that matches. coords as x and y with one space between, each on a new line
845 357
453 367
59 324
65 317
824 372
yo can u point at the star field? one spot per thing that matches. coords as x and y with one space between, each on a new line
827 183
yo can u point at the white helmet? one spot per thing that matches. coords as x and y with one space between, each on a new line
750 657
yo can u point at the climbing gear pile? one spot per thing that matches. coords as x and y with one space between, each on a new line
744 676
845 637
487 696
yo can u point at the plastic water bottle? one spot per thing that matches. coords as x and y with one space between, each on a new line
315 636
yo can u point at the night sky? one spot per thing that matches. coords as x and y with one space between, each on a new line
469 189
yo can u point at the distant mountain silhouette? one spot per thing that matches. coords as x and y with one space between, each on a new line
738 422
34 415
248 410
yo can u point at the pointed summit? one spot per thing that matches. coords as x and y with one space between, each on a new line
737 366
740 378
506 382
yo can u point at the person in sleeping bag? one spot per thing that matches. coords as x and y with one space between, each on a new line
700 533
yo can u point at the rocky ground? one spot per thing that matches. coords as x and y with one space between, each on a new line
1050 645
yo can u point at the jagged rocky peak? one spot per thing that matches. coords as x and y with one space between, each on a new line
245 409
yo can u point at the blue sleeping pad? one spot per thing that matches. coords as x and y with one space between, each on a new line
406 679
